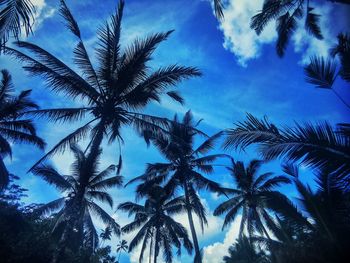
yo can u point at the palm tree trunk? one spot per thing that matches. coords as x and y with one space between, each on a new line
96 142
120 251
75 212
4 175
198 258
150 248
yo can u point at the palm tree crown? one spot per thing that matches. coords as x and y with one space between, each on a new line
16 16
13 128
156 224
81 190
113 91
254 195
184 167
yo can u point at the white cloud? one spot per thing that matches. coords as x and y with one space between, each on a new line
215 252
42 12
240 39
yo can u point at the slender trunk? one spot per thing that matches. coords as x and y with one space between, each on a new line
340 97
120 251
4 175
198 258
156 245
150 248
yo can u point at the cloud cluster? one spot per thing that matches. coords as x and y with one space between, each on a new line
42 12
239 38
215 252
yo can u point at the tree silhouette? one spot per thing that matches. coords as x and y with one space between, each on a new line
254 195
155 224
122 246
323 72
186 163
81 190
106 234
14 128
114 94
287 13
16 16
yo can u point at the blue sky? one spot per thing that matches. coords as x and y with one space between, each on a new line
241 73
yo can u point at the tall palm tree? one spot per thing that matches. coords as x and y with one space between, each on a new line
122 246
184 168
155 224
113 94
244 251
15 16
287 13
14 128
323 72
80 192
106 234
254 195
317 146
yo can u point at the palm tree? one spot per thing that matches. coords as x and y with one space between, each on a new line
254 195
15 16
13 128
287 13
184 168
113 94
106 234
155 224
122 246
317 146
323 72
81 190
244 251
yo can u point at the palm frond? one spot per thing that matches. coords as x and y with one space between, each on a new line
22 137
271 10
286 25
312 23
51 176
15 17
70 21
208 144
100 196
116 181
249 132
320 72
66 142
60 114
6 85
50 207
105 217
150 87
219 9
274 182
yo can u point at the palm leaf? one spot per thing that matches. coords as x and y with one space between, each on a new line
15 17
312 23
320 72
